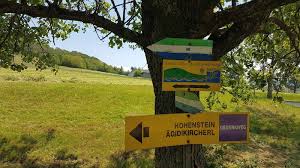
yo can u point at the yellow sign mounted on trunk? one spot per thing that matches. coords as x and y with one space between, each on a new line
187 75
152 131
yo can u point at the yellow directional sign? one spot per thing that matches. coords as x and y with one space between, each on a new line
152 131
187 75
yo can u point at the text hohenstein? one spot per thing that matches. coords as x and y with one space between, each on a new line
204 128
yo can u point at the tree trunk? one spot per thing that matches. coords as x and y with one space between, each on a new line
295 86
270 86
173 18
184 156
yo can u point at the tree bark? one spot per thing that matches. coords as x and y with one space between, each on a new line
295 86
172 18
184 156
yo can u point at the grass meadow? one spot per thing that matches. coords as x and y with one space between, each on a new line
76 118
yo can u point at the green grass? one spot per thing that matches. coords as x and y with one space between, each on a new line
290 97
87 116
83 112
71 75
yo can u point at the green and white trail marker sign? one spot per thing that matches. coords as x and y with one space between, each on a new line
188 102
183 49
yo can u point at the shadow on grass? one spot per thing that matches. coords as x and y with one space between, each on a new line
267 122
138 159
14 154
274 134
274 129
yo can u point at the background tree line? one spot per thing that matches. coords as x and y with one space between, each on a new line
76 59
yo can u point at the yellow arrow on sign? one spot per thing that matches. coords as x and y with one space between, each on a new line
152 131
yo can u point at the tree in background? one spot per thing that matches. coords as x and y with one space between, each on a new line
77 60
271 57
256 80
294 81
234 74
276 55
147 21
138 72
16 38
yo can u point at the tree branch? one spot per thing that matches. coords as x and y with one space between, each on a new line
117 12
245 19
121 4
124 11
288 30
241 12
233 36
9 29
66 14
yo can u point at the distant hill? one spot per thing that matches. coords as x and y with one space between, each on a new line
76 59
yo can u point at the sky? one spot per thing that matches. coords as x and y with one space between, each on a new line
88 43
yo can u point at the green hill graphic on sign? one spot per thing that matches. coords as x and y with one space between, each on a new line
181 75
